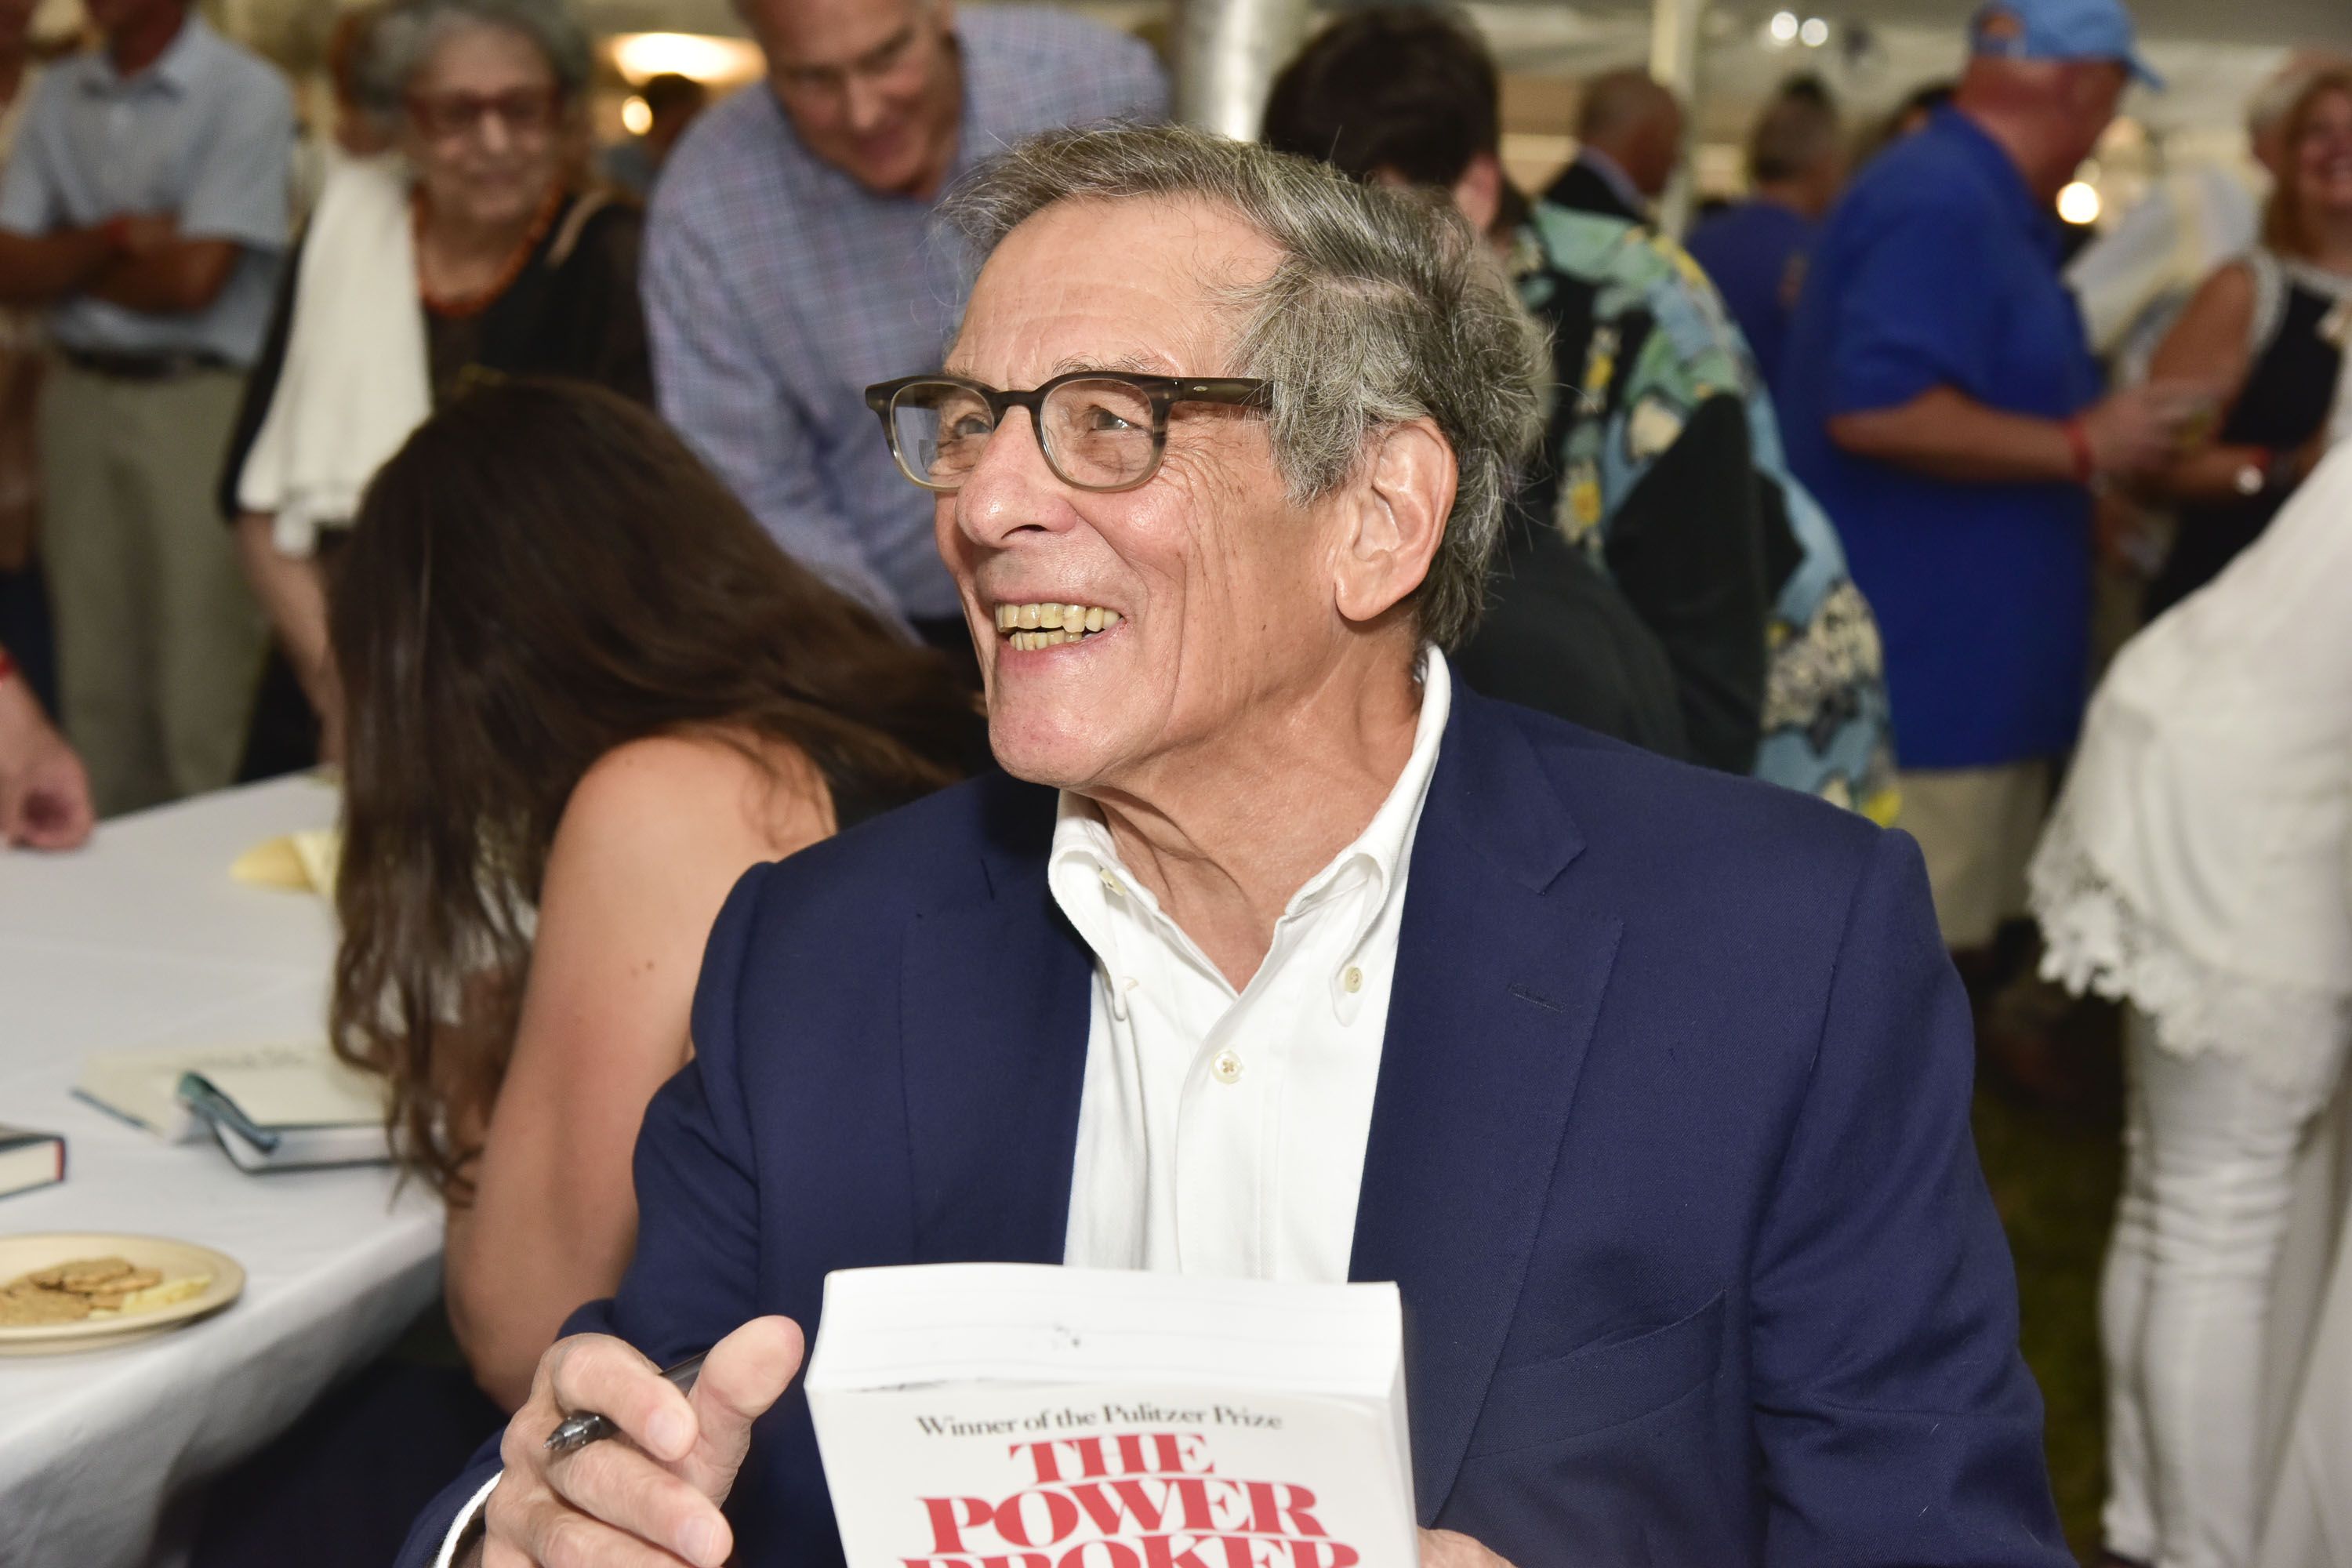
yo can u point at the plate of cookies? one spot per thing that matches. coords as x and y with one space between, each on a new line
88 1290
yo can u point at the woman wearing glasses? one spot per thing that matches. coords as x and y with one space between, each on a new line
473 248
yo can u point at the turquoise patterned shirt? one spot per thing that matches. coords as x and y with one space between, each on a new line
1825 720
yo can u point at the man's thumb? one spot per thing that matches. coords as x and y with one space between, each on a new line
745 1373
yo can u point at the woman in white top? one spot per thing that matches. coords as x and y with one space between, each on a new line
2195 867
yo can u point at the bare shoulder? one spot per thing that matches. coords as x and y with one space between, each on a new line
2211 335
667 795
2228 290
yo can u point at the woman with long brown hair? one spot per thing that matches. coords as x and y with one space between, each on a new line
2269 329
585 694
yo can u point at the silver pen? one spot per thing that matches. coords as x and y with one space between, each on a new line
587 1426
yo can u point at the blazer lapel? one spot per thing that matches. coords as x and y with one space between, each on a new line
994 1011
1498 985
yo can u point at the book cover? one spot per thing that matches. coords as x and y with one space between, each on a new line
273 1119
29 1159
1002 1415
291 1082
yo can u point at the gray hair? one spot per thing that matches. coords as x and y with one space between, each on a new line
404 36
1385 308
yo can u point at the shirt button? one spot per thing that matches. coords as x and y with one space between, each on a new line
1353 980
1109 882
1227 1067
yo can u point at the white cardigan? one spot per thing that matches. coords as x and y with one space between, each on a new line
355 383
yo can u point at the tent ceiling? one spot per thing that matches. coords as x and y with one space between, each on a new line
2269 22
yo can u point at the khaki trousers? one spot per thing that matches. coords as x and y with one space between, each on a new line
1977 828
160 642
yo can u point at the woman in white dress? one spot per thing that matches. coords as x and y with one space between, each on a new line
2195 868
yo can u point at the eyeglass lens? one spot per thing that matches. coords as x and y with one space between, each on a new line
523 110
1096 434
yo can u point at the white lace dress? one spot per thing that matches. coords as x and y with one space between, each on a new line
2197 862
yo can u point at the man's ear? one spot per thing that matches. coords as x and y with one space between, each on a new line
1478 194
1395 511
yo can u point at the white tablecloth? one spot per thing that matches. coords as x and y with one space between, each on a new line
142 940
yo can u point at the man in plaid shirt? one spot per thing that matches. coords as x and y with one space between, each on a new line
792 257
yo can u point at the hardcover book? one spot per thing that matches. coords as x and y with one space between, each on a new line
1015 1415
29 1159
281 1084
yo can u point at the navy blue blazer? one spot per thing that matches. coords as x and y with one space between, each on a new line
1670 1156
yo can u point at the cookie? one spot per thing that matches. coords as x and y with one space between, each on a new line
47 1307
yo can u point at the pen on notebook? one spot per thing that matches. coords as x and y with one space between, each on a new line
586 1426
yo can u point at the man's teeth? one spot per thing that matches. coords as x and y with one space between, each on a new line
1050 625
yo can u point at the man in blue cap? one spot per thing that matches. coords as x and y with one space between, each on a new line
1939 397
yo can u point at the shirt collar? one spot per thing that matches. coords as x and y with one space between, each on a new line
1612 174
178 68
1081 840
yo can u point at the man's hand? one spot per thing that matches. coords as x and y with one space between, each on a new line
1452 1549
44 792
652 1496
2139 429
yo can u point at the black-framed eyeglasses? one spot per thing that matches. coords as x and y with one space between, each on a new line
1100 430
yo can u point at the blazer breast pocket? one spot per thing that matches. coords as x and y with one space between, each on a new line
1600 1386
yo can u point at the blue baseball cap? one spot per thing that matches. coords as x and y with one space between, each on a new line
2060 30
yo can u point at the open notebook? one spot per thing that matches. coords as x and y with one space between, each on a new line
1022 1413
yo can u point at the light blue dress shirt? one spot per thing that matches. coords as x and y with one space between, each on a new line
206 132
777 288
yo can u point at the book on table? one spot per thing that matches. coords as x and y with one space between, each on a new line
29 1159
1021 1415
281 1105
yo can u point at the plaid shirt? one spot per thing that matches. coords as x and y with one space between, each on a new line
777 289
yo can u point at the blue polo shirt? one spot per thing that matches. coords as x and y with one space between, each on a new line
1755 254
1938 268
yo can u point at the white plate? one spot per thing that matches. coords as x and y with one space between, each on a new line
175 1260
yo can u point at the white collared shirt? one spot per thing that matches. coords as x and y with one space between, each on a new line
1224 1132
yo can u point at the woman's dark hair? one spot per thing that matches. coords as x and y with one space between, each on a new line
2286 227
1399 89
542 574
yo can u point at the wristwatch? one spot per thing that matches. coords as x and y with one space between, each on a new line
2277 472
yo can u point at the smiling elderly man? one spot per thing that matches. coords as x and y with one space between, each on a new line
1278 954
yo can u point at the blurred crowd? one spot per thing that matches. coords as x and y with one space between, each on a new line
1825 494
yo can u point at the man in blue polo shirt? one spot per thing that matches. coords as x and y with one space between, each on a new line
1939 398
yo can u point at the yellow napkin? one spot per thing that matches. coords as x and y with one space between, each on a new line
300 862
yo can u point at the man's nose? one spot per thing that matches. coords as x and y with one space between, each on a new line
863 102
490 129
1011 490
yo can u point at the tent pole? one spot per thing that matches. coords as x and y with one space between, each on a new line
1673 63
1226 54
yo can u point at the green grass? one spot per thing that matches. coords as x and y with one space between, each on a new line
2053 1177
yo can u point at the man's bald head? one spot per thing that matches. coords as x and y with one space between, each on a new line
1636 122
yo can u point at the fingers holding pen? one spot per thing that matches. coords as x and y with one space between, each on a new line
617 1503
611 1376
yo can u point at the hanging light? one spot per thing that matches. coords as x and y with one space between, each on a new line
2078 204
1783 27
636 117
709 59
1815 33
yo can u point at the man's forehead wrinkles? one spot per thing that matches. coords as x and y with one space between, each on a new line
1138 362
